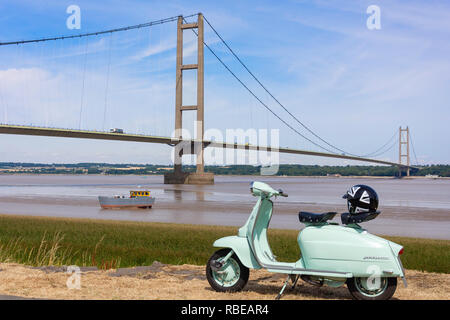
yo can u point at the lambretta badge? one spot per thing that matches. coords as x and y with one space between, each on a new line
375 258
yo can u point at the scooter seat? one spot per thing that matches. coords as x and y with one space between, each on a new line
311 217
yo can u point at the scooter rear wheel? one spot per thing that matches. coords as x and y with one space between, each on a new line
360 289
231 277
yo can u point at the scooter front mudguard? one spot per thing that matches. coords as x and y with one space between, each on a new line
242 249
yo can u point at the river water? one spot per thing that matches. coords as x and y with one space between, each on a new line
410 207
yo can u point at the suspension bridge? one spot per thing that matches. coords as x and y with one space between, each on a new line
182 144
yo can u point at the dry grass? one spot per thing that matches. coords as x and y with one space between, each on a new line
188 282
50 252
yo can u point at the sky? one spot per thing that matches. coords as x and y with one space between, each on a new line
354 86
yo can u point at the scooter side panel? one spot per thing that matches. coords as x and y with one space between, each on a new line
242 249
345 249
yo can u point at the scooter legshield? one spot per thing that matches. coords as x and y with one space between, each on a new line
347 249
241 247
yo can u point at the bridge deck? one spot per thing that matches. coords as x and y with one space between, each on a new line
84 134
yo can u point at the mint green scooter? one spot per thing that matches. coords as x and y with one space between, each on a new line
331 254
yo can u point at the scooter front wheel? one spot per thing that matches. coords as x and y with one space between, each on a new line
229 276
367 289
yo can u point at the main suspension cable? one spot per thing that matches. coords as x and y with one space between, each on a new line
137 26
278 102
376 152
256 97
385 151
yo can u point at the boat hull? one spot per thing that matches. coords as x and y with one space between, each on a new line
118 203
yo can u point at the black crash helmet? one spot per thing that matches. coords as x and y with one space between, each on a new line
361 198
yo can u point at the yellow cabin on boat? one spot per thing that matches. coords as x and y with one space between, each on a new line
134 194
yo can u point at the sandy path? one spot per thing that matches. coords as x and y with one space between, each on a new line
186 282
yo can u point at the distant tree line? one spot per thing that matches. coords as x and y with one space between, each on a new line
284 169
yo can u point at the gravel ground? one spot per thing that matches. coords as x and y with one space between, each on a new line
169 282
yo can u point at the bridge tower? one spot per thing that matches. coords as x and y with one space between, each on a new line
403 140
200 176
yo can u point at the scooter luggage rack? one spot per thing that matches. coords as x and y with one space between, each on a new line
352 218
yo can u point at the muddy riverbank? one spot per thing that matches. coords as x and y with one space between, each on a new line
410 207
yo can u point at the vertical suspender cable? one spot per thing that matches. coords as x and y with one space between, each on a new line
107 81
414 151
82 85
5 107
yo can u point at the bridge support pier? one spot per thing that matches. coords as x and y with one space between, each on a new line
188 178
200 176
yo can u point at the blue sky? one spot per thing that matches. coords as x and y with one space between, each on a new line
351 85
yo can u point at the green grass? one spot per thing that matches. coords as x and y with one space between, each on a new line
62 241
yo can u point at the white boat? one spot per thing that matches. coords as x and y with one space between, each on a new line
137 199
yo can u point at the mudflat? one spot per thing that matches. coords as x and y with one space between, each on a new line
410 207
